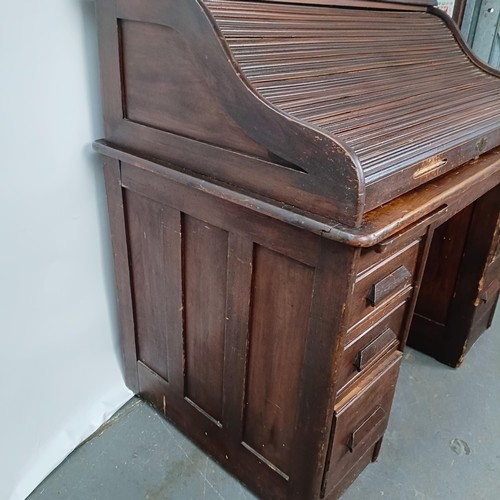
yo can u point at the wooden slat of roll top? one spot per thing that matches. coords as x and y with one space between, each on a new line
277 72
408 98
312 46
233 8
322 90
320 105
353 81
409 116
268 53
394 86
378 105
319 28
324 66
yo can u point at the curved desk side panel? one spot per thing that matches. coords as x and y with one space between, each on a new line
172 90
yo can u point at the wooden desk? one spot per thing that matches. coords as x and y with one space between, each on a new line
271 250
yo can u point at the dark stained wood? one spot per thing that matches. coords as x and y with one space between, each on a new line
417 229
145 223
369 4
370 343
367 354
282 291
452 315
433 202
284 179
334 279
438 284
279 135
167 104
353 473
173 300
359 329
360 126
388 285
205 290
279 295
383 281
112 104
122 274
359 435
224 215
212 438
482 241
361 418
454 191
463 44
318 65
422 260
240 266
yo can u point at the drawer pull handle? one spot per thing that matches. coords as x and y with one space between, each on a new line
388 285
357 436
370 351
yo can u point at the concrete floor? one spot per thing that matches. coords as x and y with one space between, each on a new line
443 442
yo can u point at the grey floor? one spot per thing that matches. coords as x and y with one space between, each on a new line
443 442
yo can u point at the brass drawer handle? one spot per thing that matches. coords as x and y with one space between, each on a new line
373 348
388 285
365 428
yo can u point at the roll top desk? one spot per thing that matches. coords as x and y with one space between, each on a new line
295 189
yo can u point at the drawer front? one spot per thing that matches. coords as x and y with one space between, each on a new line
383 281
360 419
371 344
370 257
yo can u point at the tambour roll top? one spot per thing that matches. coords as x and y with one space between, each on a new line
332 109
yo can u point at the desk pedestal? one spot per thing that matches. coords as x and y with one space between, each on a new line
461 283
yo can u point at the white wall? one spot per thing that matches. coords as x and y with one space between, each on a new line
59 373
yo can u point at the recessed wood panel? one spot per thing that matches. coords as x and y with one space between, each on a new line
282 293
205 278
145 232
160 78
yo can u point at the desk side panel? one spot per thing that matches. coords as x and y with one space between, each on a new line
172 91
236 318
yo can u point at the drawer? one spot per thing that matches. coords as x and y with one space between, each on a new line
416 231
370 257
335 491
382 281
360 419
371 344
